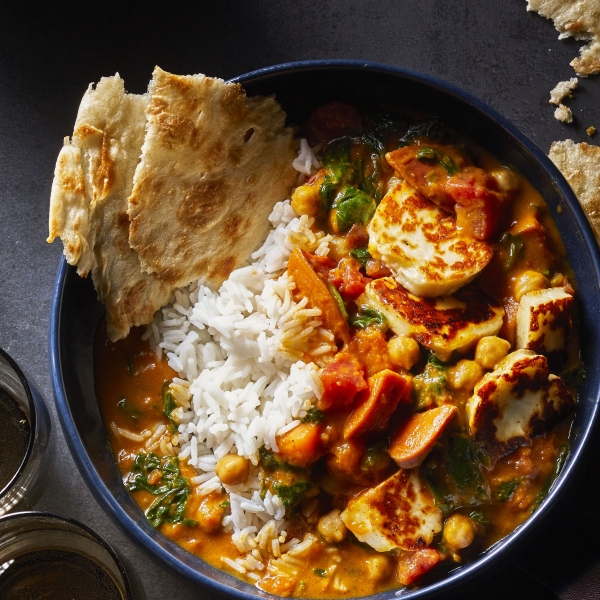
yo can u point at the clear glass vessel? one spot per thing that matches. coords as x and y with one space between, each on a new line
24 473
44 555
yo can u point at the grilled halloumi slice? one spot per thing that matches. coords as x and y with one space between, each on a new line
422 245
544 320
443 324
517 401
398 513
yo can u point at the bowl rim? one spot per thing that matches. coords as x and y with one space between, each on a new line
458 576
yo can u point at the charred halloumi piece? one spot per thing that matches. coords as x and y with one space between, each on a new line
441 324
398 513
422 245
517 401
544 320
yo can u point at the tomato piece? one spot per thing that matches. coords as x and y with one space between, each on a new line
371 348
342 379
300 446
478 201
357 237
376 405
353 281
332 120
411 565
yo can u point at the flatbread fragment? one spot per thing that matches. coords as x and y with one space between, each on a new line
563 89
563 113
214 163
579 19
88 204
580 164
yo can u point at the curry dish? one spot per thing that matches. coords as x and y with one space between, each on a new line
446 393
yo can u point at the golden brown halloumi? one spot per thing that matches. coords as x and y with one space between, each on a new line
422 245
398 513
517 401
544 320
443 324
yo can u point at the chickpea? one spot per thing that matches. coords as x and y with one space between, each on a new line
338 248
306 200
458 531
404 351
529 281
331 527
506 179
379 567
232 469
490 351
465 374
210 513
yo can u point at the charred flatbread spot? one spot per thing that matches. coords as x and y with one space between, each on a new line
202 204
233 102
223 268
122 221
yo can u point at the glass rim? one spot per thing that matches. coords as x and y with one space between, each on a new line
32 420
96 537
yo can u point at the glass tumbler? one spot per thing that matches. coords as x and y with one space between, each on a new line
26 447
49 556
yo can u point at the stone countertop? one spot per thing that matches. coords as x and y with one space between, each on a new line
50 52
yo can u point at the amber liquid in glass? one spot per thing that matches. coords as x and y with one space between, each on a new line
14 437
57 575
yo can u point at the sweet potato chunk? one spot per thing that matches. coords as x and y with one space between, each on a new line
300 446
342 379
376 405
311 286
416 437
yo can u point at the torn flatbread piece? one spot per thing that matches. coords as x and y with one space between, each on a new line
214 163
580 164
579 19
88 204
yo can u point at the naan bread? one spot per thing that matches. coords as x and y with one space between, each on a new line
580 164
88 204
213 165
579 19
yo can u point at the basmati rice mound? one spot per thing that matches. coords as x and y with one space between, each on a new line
248 359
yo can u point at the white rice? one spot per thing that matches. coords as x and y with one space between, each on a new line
248 361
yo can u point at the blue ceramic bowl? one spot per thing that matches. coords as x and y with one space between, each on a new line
300 87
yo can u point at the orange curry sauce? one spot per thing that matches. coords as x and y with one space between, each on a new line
130 378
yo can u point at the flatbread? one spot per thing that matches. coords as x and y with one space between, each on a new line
580 164
213 165
88 204
579 19
563 89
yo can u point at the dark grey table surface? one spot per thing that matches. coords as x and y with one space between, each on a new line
50 52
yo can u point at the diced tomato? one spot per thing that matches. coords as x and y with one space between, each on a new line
353 281
342 379
376 405
301 445
371 348
332 120
478 201
321 264
357 237
411 565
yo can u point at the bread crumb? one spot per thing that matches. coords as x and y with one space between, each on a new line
563 90
563 113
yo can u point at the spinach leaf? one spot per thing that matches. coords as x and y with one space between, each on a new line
338 300
574 377
172 489
270 462
320 572
336 157
362 255
479 517
428 153
369 316
561 459
514 245
291 495
168 404
433 129
505 490
130 411
443 498
462 464
313 415
430 386
353 206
